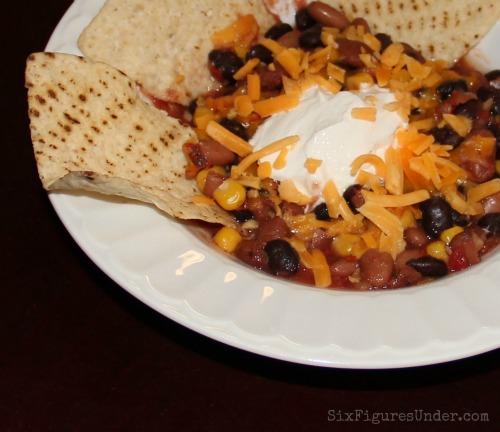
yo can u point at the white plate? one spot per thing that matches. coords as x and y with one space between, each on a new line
165 265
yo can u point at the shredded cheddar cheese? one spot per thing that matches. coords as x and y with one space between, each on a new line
276 104
367 114
412 170
389 224
311 165
268 150
228 139
248 67
481 191
253 87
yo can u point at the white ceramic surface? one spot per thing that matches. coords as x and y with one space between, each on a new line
164 264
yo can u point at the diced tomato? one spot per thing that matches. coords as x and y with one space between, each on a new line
458 260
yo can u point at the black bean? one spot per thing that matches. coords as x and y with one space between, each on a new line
493 75
485 93
311 38
446 136
303 20
495 107
460 219
321 212
353 197
417 111
283 259
241 216
469 109
384 39
491 224
192 106
278 30
428 266
226 63
495 130
261 52
235 127
436 216
445 89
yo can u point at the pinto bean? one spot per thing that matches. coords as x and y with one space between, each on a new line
290 39
215 153
376 267
270 79
356 22
294 209
491 204
344 266
477 155
320 240
407 275
469 244
415 237
275 228
212 182
261 208
252 253
327 15
350 50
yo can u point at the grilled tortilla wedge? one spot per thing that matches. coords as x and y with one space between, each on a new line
163 45
440 30
92 130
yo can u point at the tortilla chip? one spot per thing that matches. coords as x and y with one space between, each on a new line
163 44
92 130
442 30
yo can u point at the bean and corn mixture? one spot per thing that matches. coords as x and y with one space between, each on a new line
431 208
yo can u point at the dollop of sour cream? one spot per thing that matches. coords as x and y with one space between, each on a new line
328 132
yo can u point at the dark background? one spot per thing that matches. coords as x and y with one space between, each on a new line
77 353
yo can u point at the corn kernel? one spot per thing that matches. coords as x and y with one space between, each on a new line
344 244
227 239
437 249
230 194
408 219
447 235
